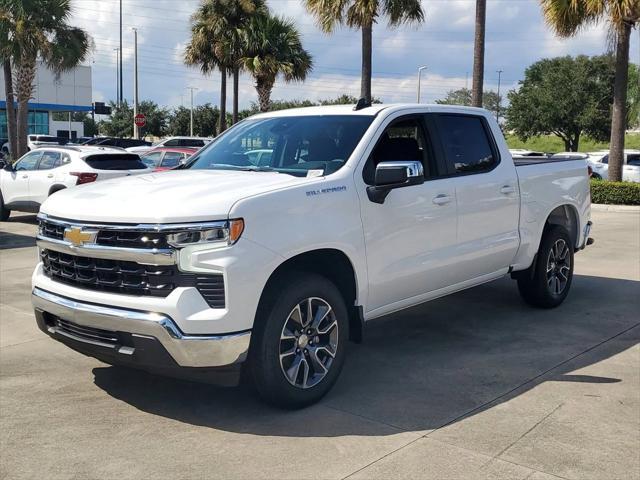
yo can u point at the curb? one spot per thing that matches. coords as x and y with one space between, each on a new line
599 207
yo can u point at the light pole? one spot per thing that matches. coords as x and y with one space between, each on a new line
191 112
117 50
136 133
420 79
498 106
120 61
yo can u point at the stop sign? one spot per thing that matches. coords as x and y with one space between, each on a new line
140 120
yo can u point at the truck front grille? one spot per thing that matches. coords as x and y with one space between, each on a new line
86 333
129 278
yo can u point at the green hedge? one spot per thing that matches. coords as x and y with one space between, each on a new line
615 193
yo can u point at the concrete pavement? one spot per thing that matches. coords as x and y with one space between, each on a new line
476 385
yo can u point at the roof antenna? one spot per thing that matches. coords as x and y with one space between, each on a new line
362 103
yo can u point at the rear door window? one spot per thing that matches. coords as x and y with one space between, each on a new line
633 160
467 145
118 161
152 159
50 160
191 142
174 142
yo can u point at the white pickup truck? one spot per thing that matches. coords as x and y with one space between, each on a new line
359 213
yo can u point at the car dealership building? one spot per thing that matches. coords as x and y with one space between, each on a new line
67 92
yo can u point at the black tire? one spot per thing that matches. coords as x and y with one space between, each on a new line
4 212
595 176
548 289
266 371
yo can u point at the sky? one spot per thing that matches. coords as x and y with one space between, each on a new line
516 36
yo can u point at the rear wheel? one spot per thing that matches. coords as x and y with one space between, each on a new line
4 212
547 282
299 341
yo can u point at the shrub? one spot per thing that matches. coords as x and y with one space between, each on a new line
615 193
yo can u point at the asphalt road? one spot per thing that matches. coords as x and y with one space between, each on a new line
475 385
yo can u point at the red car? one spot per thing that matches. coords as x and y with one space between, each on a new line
167 158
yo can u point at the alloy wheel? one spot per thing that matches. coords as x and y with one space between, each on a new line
558 267
308 342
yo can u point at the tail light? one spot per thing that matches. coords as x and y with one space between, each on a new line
84 177
590 170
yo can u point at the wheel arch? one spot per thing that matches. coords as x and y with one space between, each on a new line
565 215
56 188
333 264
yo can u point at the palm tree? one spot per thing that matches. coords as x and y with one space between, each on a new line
217 43
362 14
38 29
272 48
567 17
478 54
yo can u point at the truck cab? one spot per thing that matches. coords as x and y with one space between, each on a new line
357 213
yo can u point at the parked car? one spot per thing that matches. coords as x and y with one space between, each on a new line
360 213
197 142
165 158
36 141
26 184
117 142
599 162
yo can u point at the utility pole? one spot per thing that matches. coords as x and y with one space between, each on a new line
120 59
420 79
117 50
69 126
191 113
498 106
136 133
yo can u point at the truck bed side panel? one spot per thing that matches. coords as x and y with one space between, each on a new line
543 188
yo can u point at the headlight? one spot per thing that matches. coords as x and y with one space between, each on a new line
222 234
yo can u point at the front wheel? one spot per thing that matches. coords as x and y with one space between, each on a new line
547 282
299 341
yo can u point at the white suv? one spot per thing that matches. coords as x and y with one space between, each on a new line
599 162
172 142
29 181
36 141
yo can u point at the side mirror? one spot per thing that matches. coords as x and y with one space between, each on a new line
391 175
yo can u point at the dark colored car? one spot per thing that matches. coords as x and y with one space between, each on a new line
117 142
167 158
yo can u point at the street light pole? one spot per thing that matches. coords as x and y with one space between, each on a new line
498 106
117 50
136 133
191 112
120 60
420 79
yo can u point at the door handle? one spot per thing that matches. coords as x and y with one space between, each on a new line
441 199
507 189
25 176
50 175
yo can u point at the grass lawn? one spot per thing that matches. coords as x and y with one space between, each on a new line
551 143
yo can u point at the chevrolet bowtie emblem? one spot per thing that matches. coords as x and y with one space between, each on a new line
77 237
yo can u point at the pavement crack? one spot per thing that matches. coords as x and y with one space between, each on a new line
536 425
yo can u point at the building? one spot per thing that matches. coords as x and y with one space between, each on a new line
68 92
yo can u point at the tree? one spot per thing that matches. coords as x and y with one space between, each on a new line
564 96
478 54
120 124
38 29
566 18
205 119
11 111
362 14
273 48
463 96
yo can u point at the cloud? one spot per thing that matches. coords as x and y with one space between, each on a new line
516 37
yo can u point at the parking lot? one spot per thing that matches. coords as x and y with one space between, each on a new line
475 385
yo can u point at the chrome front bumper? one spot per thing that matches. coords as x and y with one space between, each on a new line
186 350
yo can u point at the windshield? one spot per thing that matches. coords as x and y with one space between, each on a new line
300 146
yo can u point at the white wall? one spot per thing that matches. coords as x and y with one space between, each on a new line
69 88
55 125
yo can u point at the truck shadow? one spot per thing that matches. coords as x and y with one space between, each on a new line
9 240
424 368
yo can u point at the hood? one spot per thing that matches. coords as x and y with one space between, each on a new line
164 197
